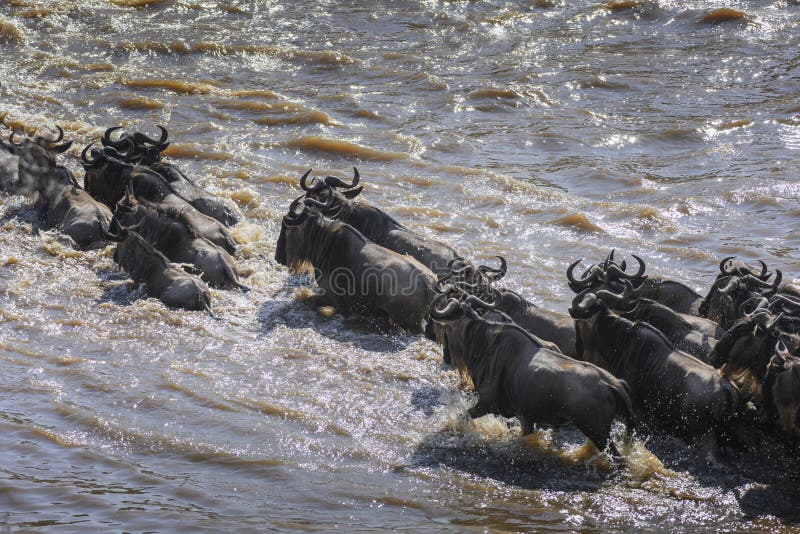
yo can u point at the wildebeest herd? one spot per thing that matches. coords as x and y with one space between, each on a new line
646 350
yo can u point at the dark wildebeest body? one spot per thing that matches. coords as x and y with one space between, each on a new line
146 151
9 172
354 274
172 235
202 200
378 226
108 178
782 392
680 394
64 205
744 351
515 376
691 334
161 279
610 277
558 328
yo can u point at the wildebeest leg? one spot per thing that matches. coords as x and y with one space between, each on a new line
598 430
526 424
482 408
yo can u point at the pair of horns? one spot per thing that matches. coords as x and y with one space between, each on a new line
454 304
332 182
297 209
727 267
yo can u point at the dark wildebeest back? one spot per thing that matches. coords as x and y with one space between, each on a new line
681 395
162 280
354 274
168 232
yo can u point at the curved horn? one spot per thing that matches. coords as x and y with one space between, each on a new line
776 283
587 280
447 311
61 148
472 299
774 322
752 304
494 274
11 139
616 299
782 350
456 259
764 274
732 281
57 139
785 302
316 185
152 141
85 157
324 205
337 182
107 141
723 264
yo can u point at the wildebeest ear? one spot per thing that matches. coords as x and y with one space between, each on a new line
61 148
352 193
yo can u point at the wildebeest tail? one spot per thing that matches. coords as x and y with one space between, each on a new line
624 405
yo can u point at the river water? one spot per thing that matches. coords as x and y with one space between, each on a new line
541 130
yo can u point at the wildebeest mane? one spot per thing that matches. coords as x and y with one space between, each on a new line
172 213
628 340
321 242
371 221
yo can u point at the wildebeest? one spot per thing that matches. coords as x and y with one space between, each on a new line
551 326
146 151
64 204
353 273
9 170
169 232
680 394
745 349
108 178
734 289
515 376
161 279
694 335
375 224
782 391
670 293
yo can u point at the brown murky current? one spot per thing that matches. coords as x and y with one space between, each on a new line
541 130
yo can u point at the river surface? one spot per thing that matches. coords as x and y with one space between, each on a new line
544 131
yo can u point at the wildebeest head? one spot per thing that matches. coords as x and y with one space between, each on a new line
293 248
745 348
452 312
331 185
732 296
137 147
607 276
587 307
38 169
730 266
107 174
782 390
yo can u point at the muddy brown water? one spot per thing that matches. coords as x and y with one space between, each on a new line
543 131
